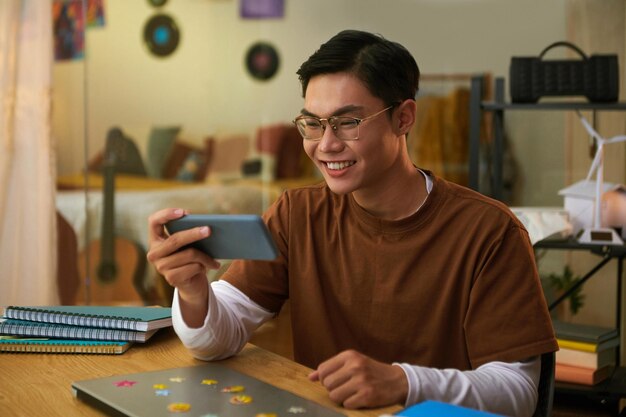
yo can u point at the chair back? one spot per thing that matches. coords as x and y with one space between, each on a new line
546 386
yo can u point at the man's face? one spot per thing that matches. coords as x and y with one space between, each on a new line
357 165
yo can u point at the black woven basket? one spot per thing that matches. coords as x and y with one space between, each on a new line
595 77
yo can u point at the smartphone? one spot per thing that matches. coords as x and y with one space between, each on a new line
233 236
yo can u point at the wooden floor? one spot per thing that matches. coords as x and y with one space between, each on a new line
276 337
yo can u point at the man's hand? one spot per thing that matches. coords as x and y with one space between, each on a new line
357 381
186 270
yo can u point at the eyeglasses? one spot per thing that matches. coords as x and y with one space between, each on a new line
344 127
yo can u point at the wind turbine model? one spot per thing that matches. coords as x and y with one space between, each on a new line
598 234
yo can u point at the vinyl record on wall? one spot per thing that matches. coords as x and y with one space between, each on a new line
161 35
157 3
262 61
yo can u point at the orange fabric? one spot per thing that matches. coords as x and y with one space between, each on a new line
439 138
285 144
452 286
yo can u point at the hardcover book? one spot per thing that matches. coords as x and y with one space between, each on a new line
579 375
588 347
126 318
583 332
593 360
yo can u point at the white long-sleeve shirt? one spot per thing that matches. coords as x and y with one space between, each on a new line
498 387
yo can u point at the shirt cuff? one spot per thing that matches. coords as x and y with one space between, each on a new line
193 338
412 396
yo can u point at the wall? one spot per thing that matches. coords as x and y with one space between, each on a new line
205 88
601 30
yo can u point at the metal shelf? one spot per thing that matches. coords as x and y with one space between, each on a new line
497 107
611 390
553 105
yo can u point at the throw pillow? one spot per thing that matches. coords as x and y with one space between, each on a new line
127 158
183 153
229 153
191 166
284 143
160 144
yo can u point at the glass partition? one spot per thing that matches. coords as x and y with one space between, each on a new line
189 104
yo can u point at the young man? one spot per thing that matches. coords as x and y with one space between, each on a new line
403 286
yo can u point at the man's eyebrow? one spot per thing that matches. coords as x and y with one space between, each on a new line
340 111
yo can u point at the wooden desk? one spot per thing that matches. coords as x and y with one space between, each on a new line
40 384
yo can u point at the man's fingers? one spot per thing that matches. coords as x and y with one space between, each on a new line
160 218
347 395
183 275
176 241
167 254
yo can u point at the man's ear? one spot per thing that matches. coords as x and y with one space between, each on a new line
405 117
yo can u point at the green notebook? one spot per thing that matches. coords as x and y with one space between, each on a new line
584 332
127 318
11 344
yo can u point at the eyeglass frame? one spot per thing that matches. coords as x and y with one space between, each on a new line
329 122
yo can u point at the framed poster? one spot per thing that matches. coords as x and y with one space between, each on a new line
262 9
68 30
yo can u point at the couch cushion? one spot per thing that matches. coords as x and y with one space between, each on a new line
229 154
187 162
284 142
160 144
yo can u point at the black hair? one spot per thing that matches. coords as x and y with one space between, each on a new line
386 68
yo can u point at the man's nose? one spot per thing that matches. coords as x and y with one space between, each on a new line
329 141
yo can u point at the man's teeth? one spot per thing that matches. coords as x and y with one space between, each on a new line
339 165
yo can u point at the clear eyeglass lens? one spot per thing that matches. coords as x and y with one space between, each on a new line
345 128
310 128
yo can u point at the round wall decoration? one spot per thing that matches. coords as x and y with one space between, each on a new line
157 3
161 35
262 61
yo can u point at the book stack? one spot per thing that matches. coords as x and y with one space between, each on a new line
79 329
587 354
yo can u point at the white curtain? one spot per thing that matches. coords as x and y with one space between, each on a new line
27 161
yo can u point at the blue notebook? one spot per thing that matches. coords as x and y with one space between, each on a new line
436 408
127 318
61 331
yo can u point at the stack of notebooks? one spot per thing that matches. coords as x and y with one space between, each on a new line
79 329
587 354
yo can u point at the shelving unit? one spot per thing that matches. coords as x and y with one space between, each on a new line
608 393
497 108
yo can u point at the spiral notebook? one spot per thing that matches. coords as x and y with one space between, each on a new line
11 344
61 331
111 317
211 389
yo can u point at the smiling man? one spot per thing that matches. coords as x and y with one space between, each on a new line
403 286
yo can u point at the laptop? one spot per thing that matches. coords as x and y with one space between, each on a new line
209 389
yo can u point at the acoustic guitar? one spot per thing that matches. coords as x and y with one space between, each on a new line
116 265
